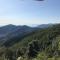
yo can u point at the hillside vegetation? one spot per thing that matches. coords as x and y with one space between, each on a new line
41 44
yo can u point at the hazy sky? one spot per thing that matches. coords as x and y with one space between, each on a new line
29 12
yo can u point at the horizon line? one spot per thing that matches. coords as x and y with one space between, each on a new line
32 25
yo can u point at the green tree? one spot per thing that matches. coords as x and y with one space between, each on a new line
33 49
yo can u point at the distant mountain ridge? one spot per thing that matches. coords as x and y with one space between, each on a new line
9 32
44 25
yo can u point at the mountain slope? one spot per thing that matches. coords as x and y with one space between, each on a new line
42 35
7 33
10 34
47 40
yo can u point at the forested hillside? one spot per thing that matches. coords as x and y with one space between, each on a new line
42 35
41 44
